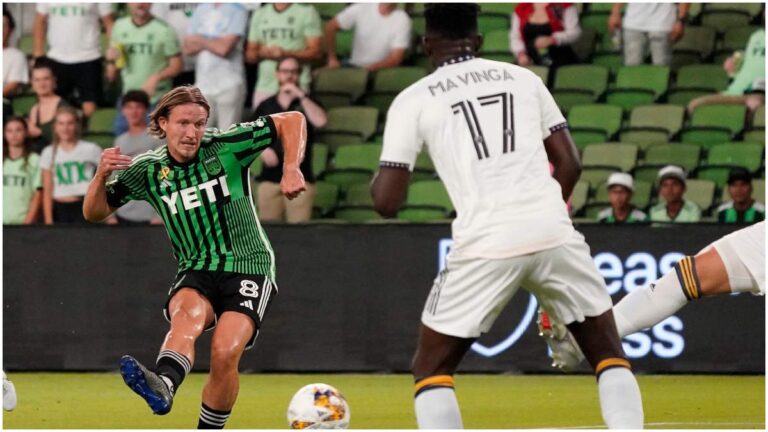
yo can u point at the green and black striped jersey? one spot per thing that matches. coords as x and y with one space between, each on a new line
206 203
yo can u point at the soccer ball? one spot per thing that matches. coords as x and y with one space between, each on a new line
318 406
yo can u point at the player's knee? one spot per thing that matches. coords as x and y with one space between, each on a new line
423 366
189 320
225 354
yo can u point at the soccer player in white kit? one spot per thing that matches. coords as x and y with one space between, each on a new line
492 129
732 264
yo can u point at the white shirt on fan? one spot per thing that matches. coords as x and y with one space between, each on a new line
375 35
14 66
71 170
178 16
483 123
650 17
74 30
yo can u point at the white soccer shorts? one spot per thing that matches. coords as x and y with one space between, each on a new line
470 293
744 248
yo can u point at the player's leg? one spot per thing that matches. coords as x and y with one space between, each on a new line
233 332
9 394
465 300
190 313
436 359
569 287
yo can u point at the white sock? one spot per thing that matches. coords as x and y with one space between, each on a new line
649 305
437 408
620 400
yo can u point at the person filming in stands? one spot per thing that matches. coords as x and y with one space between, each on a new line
198 184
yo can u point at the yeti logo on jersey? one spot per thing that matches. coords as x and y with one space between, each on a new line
191 197
212 165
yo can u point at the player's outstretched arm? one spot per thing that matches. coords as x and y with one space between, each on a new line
291 128
564 156
95 206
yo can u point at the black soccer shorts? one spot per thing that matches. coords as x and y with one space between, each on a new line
250 295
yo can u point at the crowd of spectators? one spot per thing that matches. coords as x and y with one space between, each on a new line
232 51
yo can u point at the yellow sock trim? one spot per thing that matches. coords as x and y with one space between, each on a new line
435 381
611 362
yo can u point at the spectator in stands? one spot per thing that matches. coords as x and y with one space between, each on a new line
748 85
15 73
382 35
48 103
742 208
273 205
134 142
621 187
67 165
657 25
21 175
73 32
178 16
672 207
146 51
215 35
280 30
541 33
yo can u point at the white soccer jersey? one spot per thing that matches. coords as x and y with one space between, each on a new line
484 123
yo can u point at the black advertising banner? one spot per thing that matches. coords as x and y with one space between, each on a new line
350 299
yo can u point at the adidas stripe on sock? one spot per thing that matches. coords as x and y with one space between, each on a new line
173 366
211 418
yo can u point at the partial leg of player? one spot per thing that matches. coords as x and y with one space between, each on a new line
9 394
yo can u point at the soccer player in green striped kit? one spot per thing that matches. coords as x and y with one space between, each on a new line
199 185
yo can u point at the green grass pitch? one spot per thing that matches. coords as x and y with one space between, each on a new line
101 400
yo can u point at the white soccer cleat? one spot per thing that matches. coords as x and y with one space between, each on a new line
9 394
566 354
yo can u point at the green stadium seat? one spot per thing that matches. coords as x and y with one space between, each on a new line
708 77
755 135
684 155
319 158
596 21
491 22
722 20
683 96
427 200
758 118
579 85
339 87
646 172
640 198
496 41
585 45
619 156
736 38
698 42
423 169
714 124
328 10
747 155
541 71
497 8
353 164
326 198
752 9
638 85
358 195
344 41
596 176
612 60
22 104
388 83
701 192
418 25
357 214
596 119
579 196
104 140
348 125
102 121
27 44
653 124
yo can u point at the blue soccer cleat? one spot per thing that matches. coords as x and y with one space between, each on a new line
146 384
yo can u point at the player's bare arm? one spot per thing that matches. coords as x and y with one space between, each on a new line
564 156
95 207
390 189
291 128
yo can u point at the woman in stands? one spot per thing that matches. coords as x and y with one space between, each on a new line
68 165
21 175
541 33
48 102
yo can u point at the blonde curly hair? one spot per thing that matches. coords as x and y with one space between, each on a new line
178 96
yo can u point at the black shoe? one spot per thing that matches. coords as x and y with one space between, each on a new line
146 384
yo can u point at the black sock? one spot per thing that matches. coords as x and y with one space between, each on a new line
211 418
174 366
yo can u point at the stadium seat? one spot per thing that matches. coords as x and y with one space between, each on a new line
594 123
22 104
619 156
746 155
596 176
707 77
701 192
585 45
541 71
353 164
653 124
427 200
579 85
348 125
697 44
424 169
104 140
326 198
339 87
102 121
724 19
640 198
610 59
487 23
328 10
388 83
752 9
358 194
344 40
684 155
596 21
496 41
646 172
26 44
714 124
755 135
319 158
579 196
638 85
497 8
356 214
736 38
758 118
